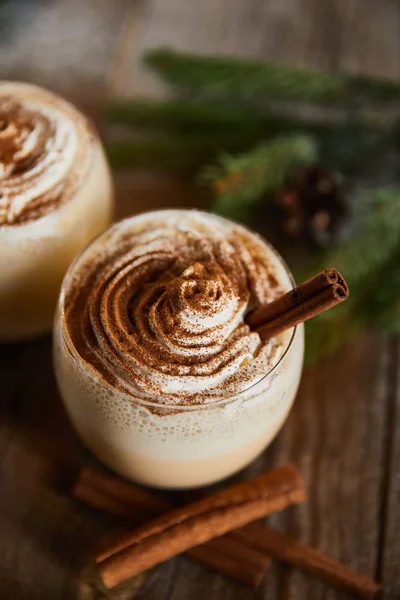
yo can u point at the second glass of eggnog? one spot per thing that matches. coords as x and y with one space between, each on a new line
56 194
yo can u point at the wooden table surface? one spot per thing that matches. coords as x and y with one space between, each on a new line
344 430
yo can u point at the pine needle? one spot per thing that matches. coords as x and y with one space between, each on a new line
240 182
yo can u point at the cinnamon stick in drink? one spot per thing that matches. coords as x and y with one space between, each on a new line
307 300
199 522
228 555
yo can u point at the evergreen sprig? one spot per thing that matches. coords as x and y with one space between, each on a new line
376 238
173 152
345 143
240 182
370 261
387 299
247 80
180 115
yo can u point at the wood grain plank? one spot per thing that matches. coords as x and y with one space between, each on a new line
336 437
345 465
45 538
63 45
287 31
370 43
369 38
23 551
389 564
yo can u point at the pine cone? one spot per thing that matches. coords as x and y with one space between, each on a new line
313 203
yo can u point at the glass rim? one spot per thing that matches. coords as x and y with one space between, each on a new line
141 401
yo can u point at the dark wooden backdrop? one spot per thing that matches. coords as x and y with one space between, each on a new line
344 431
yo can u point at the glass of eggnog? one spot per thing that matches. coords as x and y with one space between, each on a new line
160 375
56 194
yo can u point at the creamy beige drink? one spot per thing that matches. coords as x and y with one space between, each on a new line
159 373
55 196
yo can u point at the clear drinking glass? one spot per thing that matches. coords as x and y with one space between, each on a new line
56 194
175 446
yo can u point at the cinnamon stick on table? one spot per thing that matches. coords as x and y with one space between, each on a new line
229 555
305 301
199 522
311 561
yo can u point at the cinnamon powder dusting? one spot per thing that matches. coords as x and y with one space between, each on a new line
44 154
157 305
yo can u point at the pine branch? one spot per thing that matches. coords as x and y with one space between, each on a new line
241 181
176 152
375 240
252 81
345 146
236 78
370 261
382 297
160 154
190 116
180 115
351 146
390 315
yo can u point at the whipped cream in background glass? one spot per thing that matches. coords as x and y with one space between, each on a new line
55 196
160 375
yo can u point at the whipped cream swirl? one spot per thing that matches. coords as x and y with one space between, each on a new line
156 306
44 152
